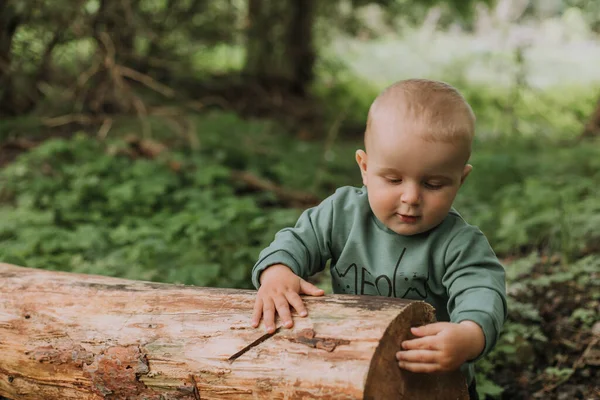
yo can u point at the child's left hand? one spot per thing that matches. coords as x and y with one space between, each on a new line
441 346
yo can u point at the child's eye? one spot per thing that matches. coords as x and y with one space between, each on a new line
433 186
394 181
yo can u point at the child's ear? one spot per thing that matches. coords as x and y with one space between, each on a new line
466 171
361 160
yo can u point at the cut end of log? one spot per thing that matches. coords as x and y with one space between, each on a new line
386 380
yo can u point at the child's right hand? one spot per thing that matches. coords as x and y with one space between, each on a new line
280 287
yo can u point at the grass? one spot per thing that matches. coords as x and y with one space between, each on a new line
524 194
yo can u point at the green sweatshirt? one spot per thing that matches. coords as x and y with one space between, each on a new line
452 266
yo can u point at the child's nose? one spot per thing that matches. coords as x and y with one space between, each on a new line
411 195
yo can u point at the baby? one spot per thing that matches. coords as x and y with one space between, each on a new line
398 235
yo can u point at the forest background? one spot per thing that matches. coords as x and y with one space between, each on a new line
168 140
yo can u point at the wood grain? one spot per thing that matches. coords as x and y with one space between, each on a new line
73 336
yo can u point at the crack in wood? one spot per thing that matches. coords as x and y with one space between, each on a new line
253 344
195 389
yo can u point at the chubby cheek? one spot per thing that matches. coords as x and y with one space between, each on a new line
438 206
382 201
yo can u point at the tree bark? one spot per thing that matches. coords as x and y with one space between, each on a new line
300 45
70 336
9 22
279 47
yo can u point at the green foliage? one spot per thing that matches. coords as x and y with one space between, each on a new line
527 194
559 374
265 149
352 16
523 339
453 11
86 206
586 316
529 112
78 208
344 97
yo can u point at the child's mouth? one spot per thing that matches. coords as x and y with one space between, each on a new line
408 219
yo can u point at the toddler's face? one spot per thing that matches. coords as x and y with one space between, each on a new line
411 182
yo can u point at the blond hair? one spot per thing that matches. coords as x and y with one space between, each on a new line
436 109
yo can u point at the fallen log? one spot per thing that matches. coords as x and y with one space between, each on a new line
73 336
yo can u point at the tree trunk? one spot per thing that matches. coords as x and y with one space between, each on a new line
300 45
9 22
280 49
70 336
115 17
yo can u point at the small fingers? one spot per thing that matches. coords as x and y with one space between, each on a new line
418 356
419 367
269 314
422 361
283 309
257 312
297 303
429 329
424 343
310 289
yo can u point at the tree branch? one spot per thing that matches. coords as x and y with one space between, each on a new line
286 196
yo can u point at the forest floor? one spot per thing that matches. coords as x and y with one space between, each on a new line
550 348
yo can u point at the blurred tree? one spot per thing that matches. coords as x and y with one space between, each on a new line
165 39
172 32
116 19
280 42
160 38
280 49
10 20
29 36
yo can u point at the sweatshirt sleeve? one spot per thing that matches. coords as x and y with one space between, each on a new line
305 248
475 283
